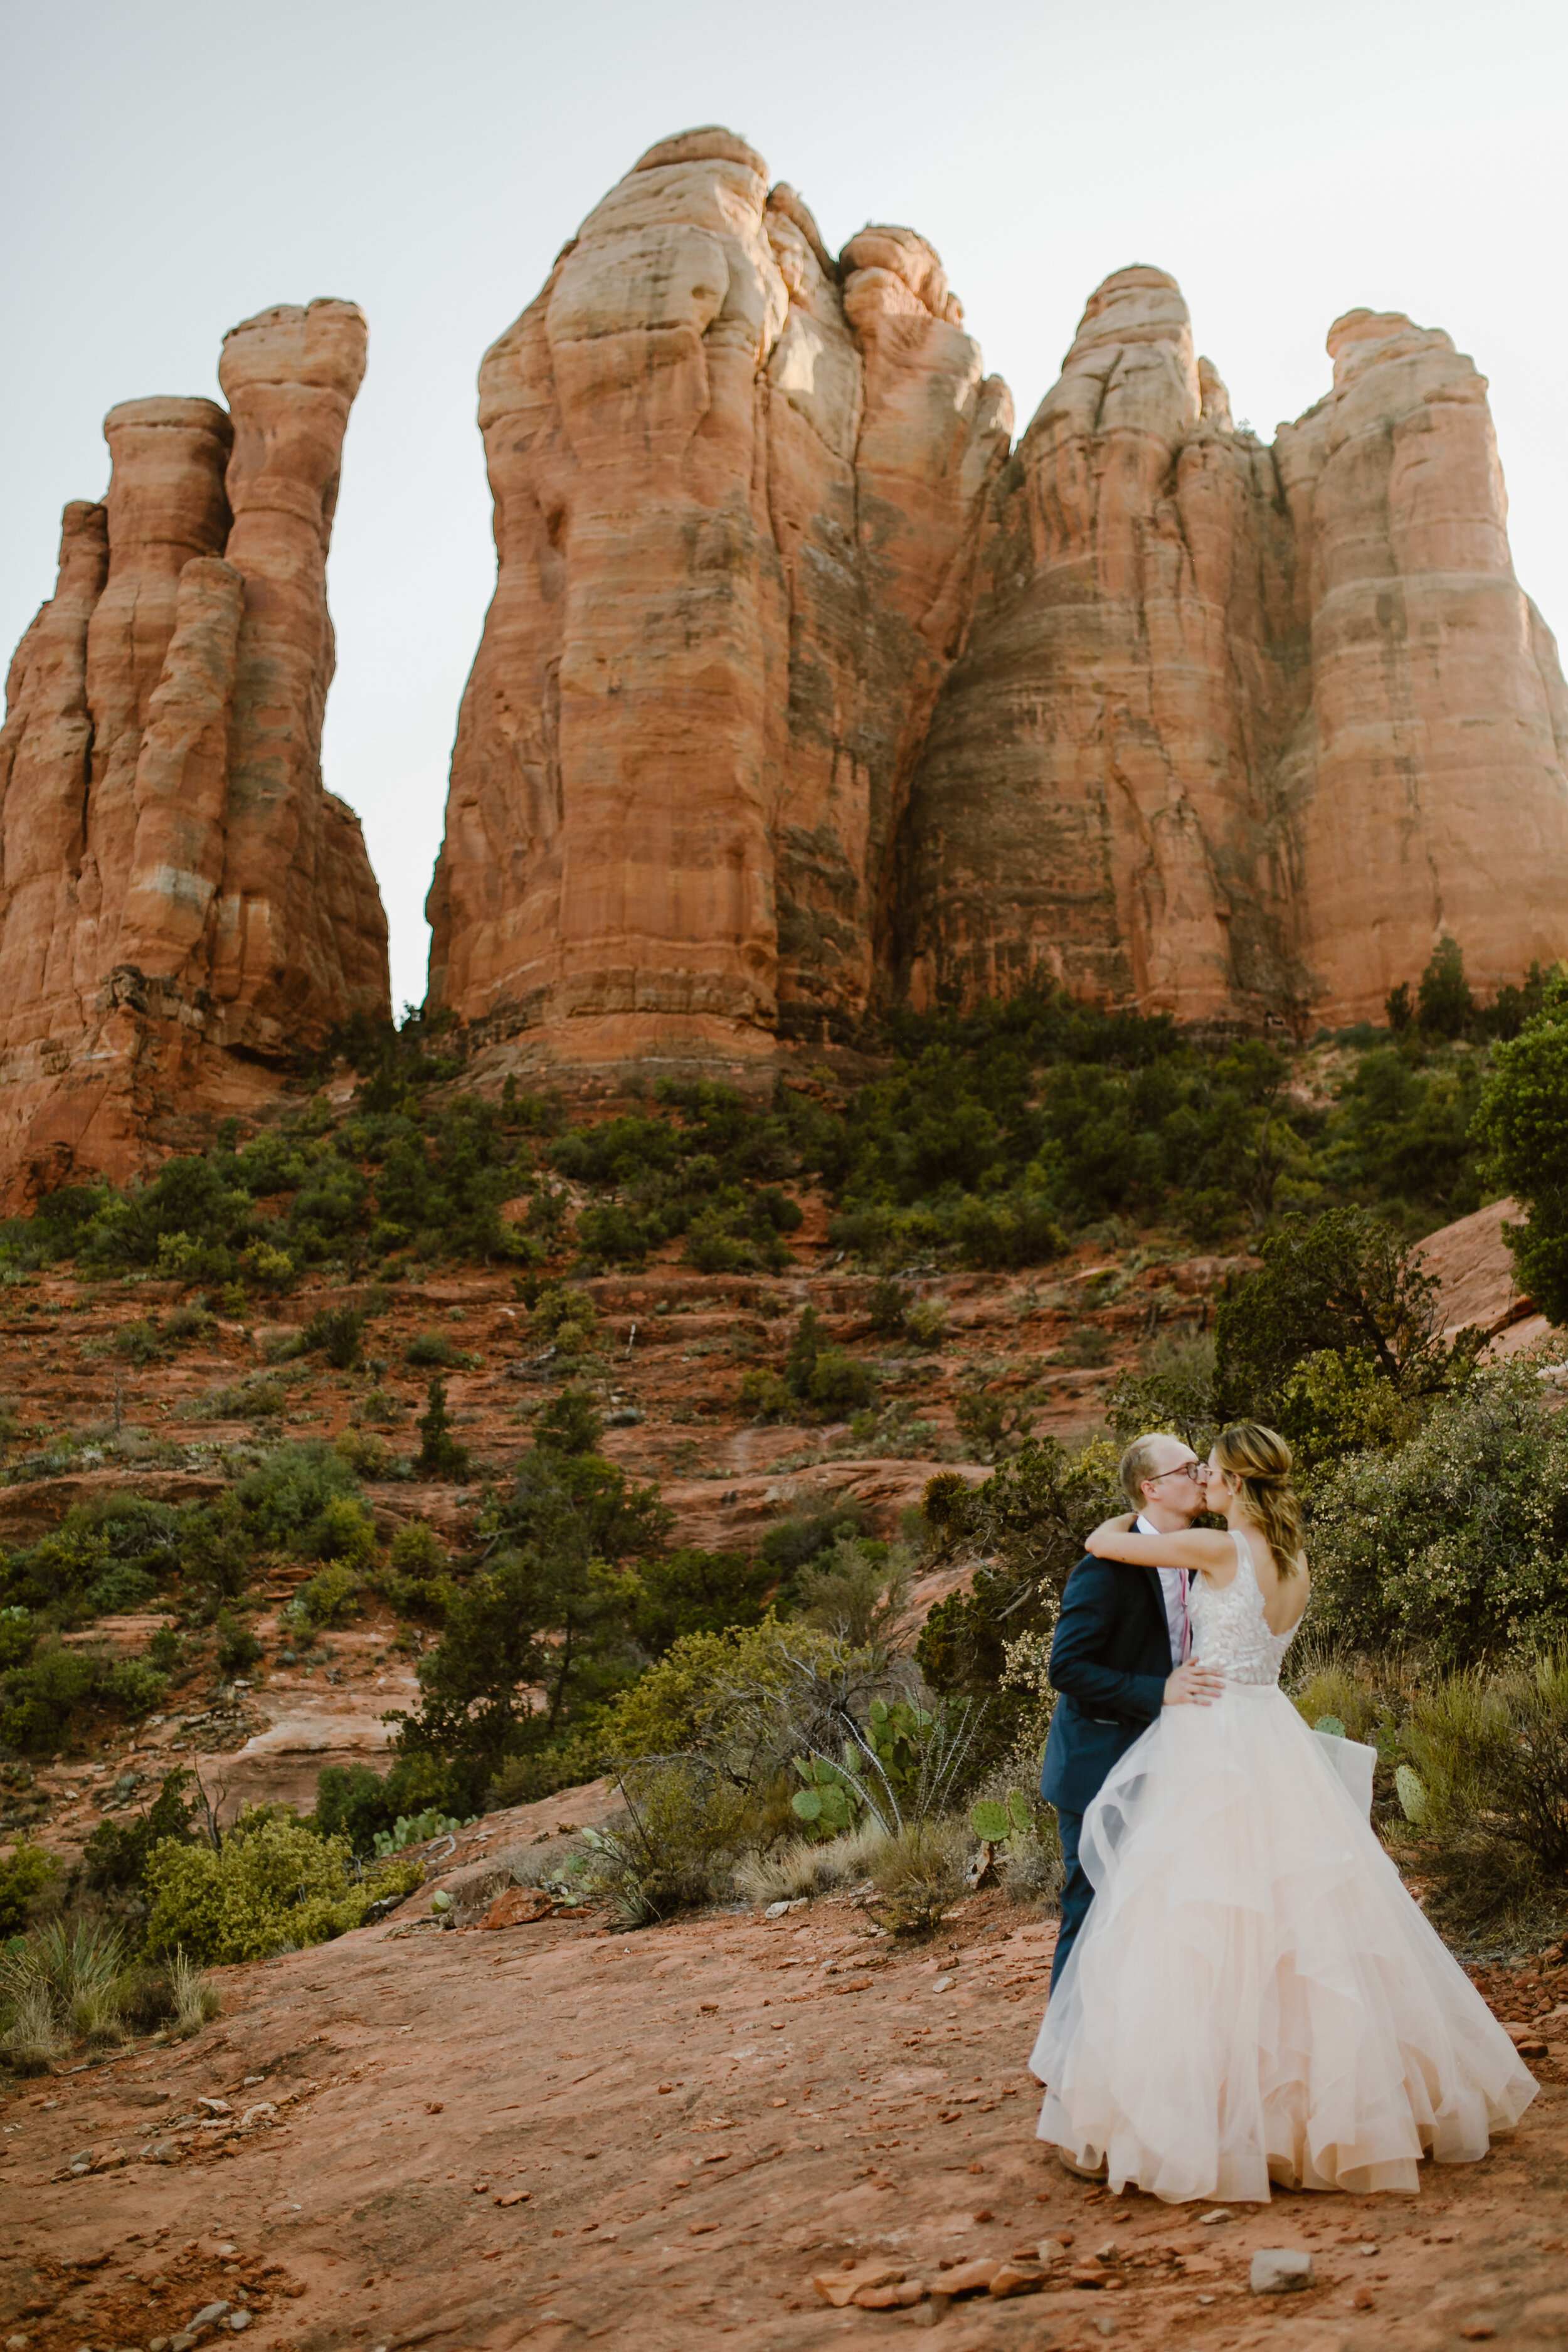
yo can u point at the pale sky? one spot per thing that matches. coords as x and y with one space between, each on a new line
170 169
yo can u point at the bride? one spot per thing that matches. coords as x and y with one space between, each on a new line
1254 1997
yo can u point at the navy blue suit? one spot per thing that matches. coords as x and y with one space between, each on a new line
1110 1659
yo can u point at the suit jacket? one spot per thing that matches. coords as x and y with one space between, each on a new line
1110 1659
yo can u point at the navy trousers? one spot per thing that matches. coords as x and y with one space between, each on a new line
1077 1892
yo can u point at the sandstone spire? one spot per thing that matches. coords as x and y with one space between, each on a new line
738 494
176 883
1241 731
1427 789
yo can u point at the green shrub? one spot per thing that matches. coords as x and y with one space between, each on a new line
693 1591
186 1325
138 1340
990 1424
337 1332
925 1322
18 1637
368 1456
165 1649
273 1881
886 1306
840 1384
606 1230
284 1499
433 1347
1524 1124
237 1647
856 1591
117 1853
1175 1392
330 1597
24 1874
345 1532
218 1548
52 1700
570 1423
419 1552
1457 1539
1344 1283
687 1823
550 1611
804 1535
1444 1005
110 1553
1009 1231
565 1320
122 1589
440 1455
919 1871
542 1772
418 1579
1491 1804
764 1397
355 1802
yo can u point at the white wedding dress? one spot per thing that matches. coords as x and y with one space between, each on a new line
1253 1996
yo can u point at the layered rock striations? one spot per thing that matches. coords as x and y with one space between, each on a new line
738 492
182 905
1239 729
1088 799
799 694
1426 791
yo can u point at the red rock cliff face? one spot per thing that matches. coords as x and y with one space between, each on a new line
798 694
1240 730
1425 792
183 904
738 488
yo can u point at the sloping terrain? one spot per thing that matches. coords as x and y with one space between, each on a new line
555 2135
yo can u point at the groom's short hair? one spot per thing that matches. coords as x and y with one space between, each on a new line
1138 1462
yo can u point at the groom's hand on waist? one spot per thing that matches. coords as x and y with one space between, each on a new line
1193 1685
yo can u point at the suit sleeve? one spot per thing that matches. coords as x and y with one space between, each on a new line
1094 1599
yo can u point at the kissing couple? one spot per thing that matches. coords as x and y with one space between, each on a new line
1243 1991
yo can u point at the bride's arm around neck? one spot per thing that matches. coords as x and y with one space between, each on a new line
1209 1550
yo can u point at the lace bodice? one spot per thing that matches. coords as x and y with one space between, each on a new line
1229 1628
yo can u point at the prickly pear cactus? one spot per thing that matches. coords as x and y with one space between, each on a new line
1332 1724
989 1822
830 1800
1412 1794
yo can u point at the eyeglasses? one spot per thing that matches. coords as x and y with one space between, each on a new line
1192 1469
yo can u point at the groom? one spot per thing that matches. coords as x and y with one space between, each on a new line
1119 1655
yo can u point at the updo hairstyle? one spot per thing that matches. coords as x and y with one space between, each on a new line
1261 1460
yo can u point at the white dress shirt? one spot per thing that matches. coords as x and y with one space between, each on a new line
1174 1585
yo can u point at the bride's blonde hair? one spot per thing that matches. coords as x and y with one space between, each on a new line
1259 1460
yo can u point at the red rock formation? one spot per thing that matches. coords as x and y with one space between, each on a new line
183 903
737 491
1240 730
1089 799
1426 792
793 698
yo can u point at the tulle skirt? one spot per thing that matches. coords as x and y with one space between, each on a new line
1254 1997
